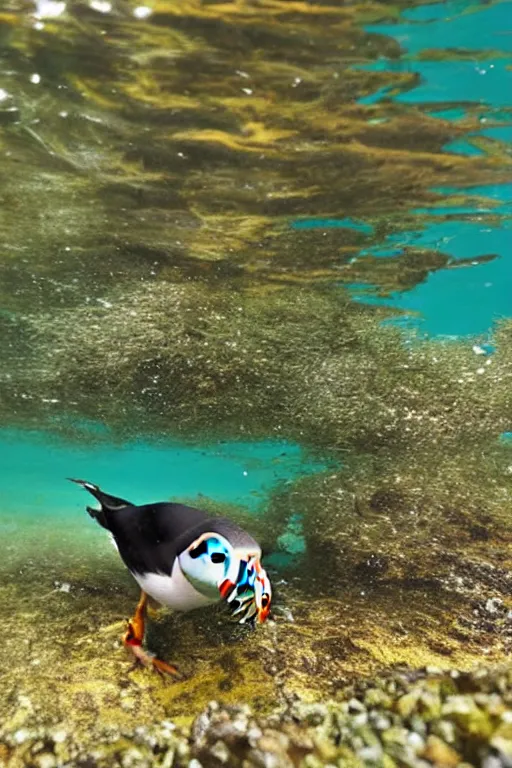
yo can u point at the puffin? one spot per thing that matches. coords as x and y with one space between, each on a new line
183 558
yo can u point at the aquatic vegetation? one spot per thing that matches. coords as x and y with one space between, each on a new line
121 216
304 364
427 520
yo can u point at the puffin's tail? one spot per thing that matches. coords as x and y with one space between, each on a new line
108 503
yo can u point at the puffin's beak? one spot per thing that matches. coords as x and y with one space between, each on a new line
262 593
250 594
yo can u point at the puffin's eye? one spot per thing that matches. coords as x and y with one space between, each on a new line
217 557
201 549
265 600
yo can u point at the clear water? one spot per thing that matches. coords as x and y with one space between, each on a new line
193 197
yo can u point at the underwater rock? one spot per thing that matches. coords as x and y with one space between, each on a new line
465 719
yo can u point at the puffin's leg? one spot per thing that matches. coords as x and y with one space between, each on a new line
134 636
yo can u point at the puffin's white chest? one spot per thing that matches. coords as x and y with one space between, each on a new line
174 591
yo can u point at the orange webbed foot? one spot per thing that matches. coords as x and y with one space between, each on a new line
134 636
149 661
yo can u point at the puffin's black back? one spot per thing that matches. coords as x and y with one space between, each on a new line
147 536
150 536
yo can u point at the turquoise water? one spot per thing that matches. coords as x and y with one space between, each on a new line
42 512
476 76
34 473
465 300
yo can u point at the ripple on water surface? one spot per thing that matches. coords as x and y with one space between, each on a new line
457 54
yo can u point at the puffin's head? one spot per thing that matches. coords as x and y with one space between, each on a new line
220 570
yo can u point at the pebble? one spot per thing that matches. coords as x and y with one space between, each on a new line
21 736
59 736
45 761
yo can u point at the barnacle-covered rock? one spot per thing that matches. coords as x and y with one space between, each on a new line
365 725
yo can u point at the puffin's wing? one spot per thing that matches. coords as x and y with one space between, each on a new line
146 536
